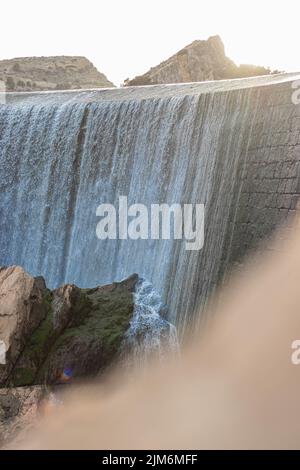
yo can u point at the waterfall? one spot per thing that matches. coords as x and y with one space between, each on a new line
149 333
63 154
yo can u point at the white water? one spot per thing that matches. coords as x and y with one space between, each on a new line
149 334
63 154
59 162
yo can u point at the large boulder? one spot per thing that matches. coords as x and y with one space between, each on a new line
51 337
76 333
23 306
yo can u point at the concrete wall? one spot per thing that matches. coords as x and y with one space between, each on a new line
268 178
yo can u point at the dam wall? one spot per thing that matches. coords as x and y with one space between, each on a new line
231 145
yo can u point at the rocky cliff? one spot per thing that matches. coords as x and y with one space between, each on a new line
197 62
52 338
55 336
51 73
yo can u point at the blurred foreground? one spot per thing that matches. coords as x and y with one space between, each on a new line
235 387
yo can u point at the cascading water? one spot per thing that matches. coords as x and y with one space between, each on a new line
60 160
148 333
63 154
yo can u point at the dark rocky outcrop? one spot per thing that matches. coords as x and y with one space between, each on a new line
197 62
51 73
47 332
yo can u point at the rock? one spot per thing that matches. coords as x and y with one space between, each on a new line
51 73
69 332
98 321
75 333
197 62
18 412
22 308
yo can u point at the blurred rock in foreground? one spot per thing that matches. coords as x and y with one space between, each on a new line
19 409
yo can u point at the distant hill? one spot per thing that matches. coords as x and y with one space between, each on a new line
197 62
51 73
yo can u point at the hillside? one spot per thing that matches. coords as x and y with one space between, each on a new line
51 73
197 62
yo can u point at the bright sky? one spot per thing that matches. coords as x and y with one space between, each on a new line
124 38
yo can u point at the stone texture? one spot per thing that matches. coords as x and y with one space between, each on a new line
267 186
98 321
197 62
19 409
51 73
22 308
47 333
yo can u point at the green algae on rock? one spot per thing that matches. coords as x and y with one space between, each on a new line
82 331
